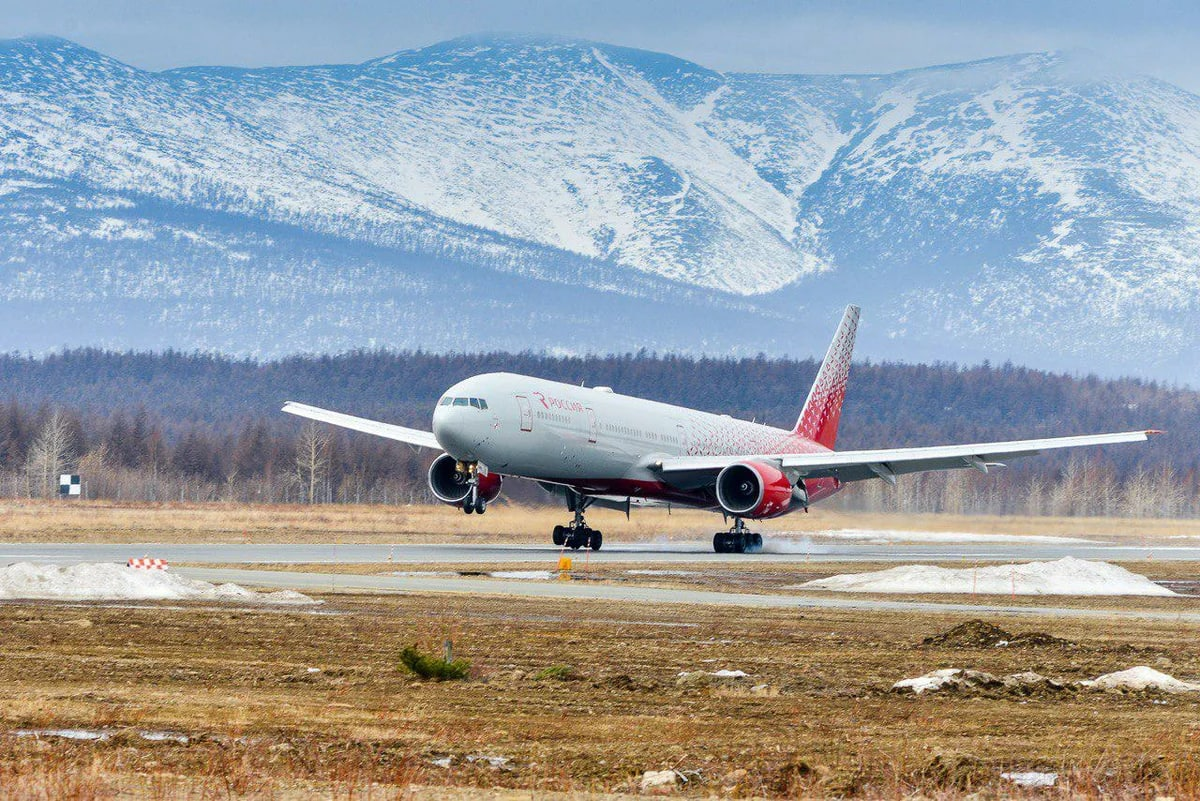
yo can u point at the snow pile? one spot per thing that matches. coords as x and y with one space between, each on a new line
1031 778
705 677
97 581
1067 576
1141 678
930 682
961 679
528 575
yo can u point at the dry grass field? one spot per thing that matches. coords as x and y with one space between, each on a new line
104 521
568 699
281 704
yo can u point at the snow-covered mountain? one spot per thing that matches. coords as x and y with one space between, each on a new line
560 194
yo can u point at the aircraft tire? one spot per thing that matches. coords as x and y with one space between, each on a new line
480 506
596 540
559 536
467 505
719 545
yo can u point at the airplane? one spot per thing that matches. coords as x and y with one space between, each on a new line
593 446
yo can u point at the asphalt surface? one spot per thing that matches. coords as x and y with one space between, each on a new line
648 553
594 591
779 551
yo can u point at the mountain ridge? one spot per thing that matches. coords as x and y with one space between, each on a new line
1016 207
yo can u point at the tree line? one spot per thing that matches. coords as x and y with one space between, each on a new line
176 426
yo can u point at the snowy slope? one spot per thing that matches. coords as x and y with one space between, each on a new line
1029 207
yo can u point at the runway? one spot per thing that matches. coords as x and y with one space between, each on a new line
789 551
646 553
596 591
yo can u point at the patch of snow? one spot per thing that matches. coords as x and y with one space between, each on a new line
443 762
496 762
730 674
66 734
98 581
960 679
1031 778
661 572
101 735
1141 678
535 575
929 682
1067 576
164 737
653 779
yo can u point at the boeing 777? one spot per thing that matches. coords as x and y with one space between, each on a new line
595 446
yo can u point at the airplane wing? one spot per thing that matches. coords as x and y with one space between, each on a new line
891 462
413 436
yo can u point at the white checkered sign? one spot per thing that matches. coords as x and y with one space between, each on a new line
69 485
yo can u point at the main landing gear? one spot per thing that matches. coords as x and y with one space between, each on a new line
737 539
577 535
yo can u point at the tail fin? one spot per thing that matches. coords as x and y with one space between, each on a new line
823 410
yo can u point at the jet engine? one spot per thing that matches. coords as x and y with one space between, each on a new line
753 489
451 484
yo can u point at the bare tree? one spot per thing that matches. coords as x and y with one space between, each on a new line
312 457
49 456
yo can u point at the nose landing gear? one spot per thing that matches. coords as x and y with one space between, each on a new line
472 502
577 535
737 539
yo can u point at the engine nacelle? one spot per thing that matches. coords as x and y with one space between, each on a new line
451 485
753 489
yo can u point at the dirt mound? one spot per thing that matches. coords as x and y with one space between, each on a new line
977 682
981 634
972 634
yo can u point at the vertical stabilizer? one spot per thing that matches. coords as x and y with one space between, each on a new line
823 410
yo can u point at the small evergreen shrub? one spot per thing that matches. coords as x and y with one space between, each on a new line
431 667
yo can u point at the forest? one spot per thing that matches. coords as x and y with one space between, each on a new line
191 426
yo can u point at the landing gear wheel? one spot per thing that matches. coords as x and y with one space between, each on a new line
559 536
480 506
737 540
596 540
468 505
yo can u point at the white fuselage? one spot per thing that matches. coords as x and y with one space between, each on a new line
593 439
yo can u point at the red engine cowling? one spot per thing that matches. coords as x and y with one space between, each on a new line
753 489
451 485
489 486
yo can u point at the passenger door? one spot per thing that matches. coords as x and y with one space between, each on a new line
592 426
526 413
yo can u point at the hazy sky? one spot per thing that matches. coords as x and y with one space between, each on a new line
1159 38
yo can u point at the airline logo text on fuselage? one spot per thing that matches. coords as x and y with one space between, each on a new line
558 403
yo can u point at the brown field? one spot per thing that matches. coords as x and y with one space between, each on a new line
105 521
291 703
815 718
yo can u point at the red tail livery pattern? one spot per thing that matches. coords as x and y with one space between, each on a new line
823 410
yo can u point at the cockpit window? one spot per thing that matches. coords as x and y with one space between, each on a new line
460 402
482 403
475 402
446 401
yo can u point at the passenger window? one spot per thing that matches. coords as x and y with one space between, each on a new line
446 401
460 401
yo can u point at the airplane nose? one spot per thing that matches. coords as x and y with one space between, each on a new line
459 431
